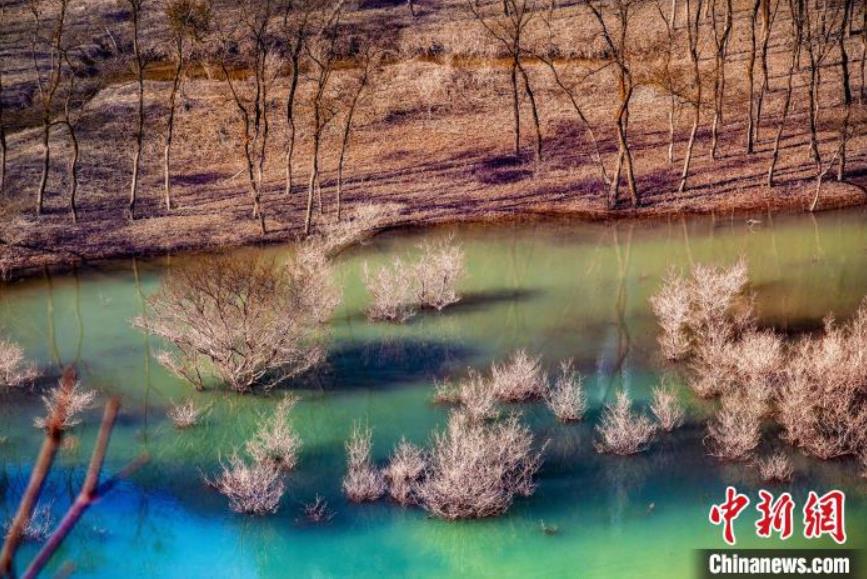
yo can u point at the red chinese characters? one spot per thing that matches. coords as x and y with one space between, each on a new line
776 515
825 516
726 513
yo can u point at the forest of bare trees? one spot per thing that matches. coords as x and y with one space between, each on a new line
272 94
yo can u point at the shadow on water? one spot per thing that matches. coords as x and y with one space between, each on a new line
479 300
470 302
385 364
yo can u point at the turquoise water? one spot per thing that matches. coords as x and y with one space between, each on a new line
557 289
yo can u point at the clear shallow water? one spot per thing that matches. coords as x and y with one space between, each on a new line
562 290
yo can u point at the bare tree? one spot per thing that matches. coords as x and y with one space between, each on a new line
796 7
569 91
369 61
138 66
693 28
751 71
820 25
668 78
721 41
618 56
296 23
67 121
2 124
47 81
187 20
768 17
863 50
250 33
322 53
509 30
845 79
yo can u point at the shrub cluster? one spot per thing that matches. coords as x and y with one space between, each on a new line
566 397
622 431
363 481
14 368
68 403
186 414
473 469
476 468
814 387
255 486
245 322
399 290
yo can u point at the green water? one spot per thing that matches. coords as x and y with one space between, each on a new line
561 290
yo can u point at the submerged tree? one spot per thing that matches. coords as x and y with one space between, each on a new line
244 323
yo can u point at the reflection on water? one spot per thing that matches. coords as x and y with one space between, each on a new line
564 290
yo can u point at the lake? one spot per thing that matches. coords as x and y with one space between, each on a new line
558 289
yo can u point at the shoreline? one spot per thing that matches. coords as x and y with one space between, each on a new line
29 261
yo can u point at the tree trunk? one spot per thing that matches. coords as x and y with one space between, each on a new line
2 141
139 136
766 35
534 110
786 103
73 171
516 105
314 176
750 77
170 128
290 108
693 29
847 90
46 163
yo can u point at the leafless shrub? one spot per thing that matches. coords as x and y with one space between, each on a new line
776 468
186 414
14 369
710 305
363 482
667 409
73 401
821 404
318 512
566 397
405 473
275 443
439 268
760 360
40 524
311 268
254 489
400 289
393 298
478 397
519 378
476 469
672 306
446 392
736 429
363 222
622 431
247 322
